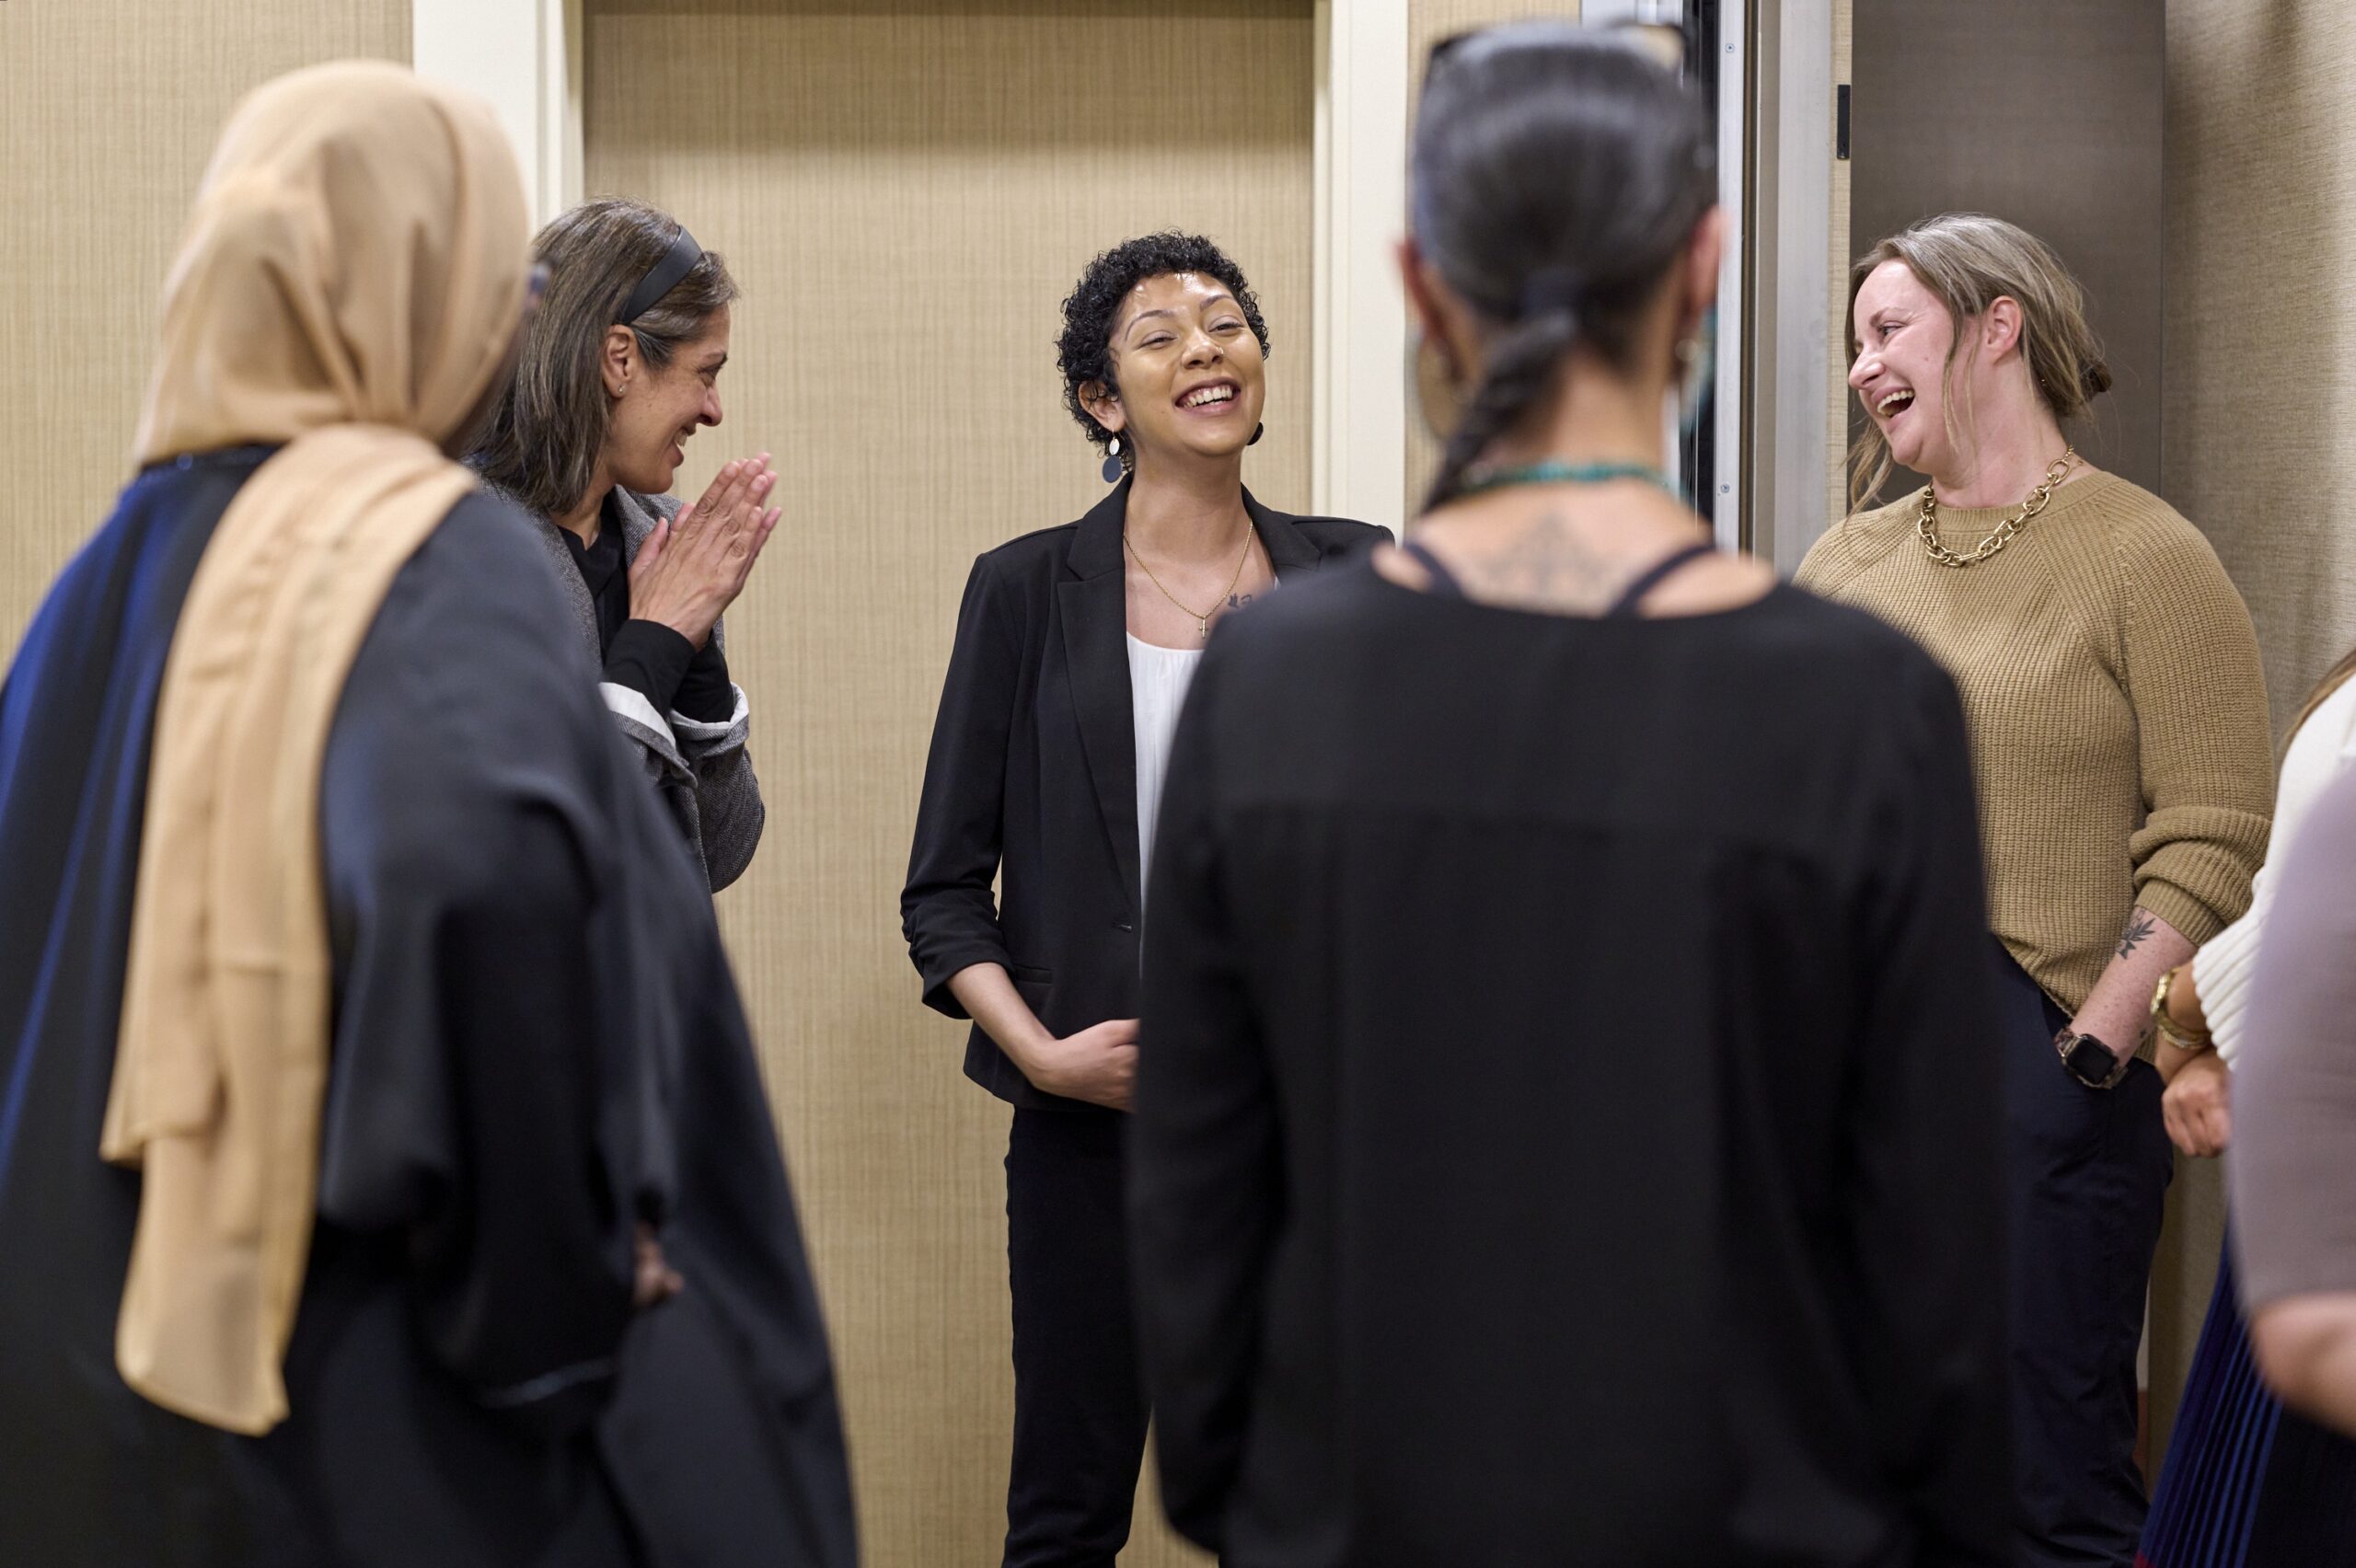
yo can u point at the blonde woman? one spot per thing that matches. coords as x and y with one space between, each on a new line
2111 681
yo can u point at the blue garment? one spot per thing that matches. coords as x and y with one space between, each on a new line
535 1046
2089 1170
2248 1484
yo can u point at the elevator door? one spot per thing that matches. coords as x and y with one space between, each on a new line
906 193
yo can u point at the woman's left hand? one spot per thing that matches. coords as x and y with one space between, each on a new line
2197 1107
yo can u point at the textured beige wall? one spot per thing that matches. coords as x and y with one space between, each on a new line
2261 322
107 113
1429 21
2257 395
907 193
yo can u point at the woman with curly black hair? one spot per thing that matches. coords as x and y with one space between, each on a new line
1074 647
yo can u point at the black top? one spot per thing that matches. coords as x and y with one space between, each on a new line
1567 1119
646 656
1032 780
535 1044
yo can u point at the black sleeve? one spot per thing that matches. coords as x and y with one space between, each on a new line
1927 1201
705 693
653 661
947 910
473 1080
1206 1194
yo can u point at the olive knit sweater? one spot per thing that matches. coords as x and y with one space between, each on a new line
2116 703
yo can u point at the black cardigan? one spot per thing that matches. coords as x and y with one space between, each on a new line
1032 778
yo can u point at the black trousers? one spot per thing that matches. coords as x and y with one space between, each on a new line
2089 1176
1079 1407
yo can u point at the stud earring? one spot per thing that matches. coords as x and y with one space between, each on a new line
1257 431
1112 461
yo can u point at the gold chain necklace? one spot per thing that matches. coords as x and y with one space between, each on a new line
1202 618
1926 522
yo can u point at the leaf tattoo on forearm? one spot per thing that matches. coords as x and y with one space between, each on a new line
2138 929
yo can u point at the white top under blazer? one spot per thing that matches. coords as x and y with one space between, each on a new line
1158 681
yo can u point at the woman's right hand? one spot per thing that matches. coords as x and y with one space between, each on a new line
2197 1107
1098 1065
692 567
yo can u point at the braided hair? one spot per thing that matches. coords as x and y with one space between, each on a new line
1558 175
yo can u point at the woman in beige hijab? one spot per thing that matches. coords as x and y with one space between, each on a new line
383 1173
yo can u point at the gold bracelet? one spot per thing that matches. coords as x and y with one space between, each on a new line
2191 1042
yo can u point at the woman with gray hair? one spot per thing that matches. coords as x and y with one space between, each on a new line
618 371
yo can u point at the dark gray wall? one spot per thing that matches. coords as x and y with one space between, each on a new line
2045 112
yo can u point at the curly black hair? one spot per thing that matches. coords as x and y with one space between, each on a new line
1084 350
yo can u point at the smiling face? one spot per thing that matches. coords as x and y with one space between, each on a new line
1188 371
1903 336
656 408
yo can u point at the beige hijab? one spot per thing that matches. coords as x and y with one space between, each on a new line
348 287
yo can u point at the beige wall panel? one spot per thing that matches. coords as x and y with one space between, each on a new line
108 112
1429 21
2258 394
907 193
2261 325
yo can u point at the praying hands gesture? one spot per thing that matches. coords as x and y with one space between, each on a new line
692 567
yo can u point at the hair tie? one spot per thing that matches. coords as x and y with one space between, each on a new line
1551 289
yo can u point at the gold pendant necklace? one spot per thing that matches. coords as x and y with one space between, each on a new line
1202 618
1926 522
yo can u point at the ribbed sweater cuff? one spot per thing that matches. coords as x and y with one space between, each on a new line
2191 917
2220 973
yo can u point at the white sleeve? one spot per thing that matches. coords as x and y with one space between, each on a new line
2221 970
631 704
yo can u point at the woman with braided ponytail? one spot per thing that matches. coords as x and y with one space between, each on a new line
1563 1132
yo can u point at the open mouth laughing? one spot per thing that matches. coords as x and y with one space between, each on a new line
1214 397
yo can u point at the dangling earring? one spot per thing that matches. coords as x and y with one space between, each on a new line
1112 461
1257 431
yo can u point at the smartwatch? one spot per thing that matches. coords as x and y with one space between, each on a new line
2090 1061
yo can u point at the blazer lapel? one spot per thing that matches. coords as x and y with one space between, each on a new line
1093 600
568 579
1289 549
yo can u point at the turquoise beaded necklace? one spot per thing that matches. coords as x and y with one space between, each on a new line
1553 471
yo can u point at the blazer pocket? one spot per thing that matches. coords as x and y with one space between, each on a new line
1034 985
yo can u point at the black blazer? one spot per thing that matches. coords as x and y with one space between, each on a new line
1032 779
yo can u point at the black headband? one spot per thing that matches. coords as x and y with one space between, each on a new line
677 263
